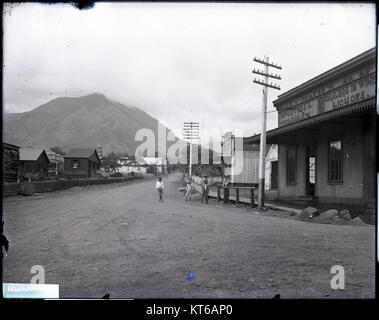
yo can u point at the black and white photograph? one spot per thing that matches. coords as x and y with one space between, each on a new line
189 150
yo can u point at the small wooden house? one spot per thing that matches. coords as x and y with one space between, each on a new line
81 163
34 163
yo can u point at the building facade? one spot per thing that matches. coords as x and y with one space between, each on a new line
155 164
81 163
326 137
130 166
33 164
56 163
240 160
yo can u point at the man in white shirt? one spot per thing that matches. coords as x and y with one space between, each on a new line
160 185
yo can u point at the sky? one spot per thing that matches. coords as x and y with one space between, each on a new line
178 61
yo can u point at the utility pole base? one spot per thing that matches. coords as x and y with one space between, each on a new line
261 194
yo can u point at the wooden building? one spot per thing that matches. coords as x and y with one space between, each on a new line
81 163
56 163
155 164
326 138
11 158
130 166
271 167
33 164
240 160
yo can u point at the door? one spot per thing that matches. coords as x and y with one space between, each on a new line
274 174
310 170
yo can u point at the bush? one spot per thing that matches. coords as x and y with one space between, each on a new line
102 174
116 175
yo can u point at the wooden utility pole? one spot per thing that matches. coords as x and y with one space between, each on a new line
262 145
191 132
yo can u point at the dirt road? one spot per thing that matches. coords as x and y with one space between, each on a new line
119 239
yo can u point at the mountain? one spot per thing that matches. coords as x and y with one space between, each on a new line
79 122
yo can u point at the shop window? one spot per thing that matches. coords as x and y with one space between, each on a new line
75 164
291 166
335 161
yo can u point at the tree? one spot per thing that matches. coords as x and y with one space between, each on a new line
110 160
57 150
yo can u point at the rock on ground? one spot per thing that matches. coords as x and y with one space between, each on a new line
330 214
344 214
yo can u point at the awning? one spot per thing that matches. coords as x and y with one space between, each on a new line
272 135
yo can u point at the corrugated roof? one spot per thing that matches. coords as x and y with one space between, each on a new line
30 154
80 153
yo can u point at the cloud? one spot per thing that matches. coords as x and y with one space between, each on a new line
176 61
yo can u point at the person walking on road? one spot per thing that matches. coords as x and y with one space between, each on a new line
188 190
160 185
205 190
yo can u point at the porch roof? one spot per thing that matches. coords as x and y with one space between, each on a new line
272 136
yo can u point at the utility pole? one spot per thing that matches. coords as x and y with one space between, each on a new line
262 145
202 134
233 157
191 132
100 150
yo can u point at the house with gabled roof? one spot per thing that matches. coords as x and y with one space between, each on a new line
33 162
81 163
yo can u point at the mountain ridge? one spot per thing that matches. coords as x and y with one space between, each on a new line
70 122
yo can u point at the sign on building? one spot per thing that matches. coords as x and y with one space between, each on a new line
354 87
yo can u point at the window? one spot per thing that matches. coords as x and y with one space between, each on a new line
291 166
75 164
335 172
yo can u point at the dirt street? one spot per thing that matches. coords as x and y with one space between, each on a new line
119 239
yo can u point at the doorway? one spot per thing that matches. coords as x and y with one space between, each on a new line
274 175
310 168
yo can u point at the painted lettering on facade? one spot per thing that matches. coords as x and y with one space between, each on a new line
353 88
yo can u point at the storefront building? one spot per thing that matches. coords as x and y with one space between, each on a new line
326 138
